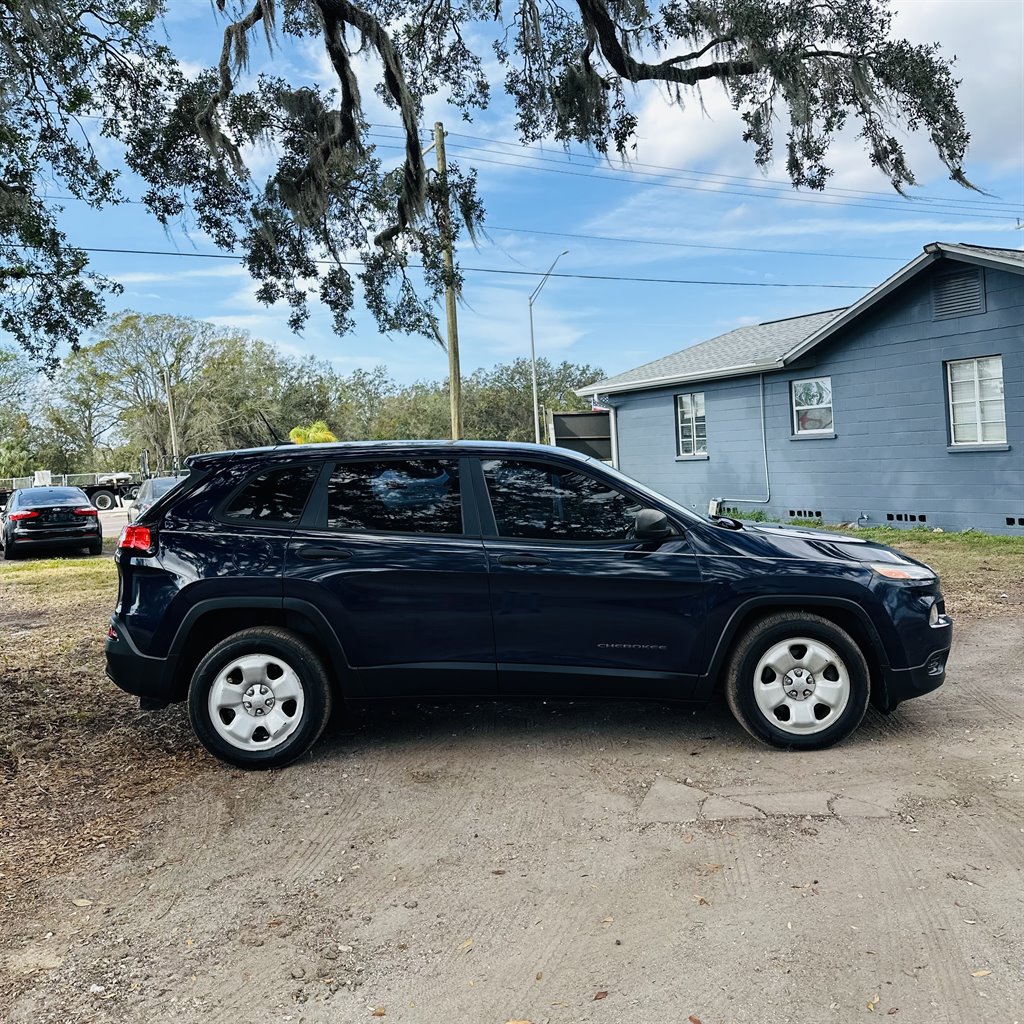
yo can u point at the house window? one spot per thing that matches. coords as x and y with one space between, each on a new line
691 426
812 406
976 411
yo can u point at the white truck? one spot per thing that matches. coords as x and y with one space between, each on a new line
105 490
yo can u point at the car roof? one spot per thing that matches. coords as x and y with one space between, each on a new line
433 448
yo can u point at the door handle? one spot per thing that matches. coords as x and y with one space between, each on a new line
314 552
522 559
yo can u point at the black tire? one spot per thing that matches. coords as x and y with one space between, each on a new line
96 547
300 666
104 500
9 553
846 673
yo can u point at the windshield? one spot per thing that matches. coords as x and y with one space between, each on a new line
161 485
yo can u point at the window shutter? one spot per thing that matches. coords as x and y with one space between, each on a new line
958 294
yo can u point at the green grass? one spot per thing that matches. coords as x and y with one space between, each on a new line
966 540
58 580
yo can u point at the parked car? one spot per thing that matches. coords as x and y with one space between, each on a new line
274 582
49 517
149 491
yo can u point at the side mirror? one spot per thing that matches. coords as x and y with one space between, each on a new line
650 524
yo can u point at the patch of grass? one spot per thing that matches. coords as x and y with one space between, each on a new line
80 765
963 540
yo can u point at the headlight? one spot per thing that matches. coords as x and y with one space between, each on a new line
902 571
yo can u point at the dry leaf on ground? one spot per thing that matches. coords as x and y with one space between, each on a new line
601 995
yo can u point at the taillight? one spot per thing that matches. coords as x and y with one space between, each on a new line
86 511
14 516
136 538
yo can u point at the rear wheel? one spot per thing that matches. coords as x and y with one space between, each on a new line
798 680
103 500
9 553
260 698
96 547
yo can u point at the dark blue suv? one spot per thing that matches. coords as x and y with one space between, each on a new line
270 583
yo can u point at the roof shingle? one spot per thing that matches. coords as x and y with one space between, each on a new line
751 347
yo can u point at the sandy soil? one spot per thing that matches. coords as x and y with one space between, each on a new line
561 863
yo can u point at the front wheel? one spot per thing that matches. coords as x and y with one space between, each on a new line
798 680
260 698
104 500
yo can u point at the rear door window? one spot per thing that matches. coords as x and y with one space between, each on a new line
396 496
273 496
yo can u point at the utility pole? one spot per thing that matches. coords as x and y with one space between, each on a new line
533 346
170 416
454 374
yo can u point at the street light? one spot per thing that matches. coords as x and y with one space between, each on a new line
533 347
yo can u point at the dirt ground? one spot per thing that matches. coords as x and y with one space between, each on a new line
595 861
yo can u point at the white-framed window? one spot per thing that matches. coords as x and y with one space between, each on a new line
812 406
691 426
977 414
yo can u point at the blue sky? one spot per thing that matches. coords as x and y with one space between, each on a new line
692 206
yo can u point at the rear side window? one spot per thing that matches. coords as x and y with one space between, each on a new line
274 496
409 496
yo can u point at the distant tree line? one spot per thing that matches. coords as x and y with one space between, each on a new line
108 401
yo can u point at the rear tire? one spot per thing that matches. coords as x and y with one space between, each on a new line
798 680
10 554
103 500
96 548
260 698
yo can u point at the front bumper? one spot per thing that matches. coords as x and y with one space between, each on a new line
149 679
906 683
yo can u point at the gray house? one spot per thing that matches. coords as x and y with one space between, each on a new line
905 408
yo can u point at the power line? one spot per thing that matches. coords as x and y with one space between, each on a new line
759 186
712 175
691 245
496 270
651 183
633 241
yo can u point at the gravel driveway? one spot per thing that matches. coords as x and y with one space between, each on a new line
566 863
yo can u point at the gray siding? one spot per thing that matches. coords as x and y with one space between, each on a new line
889 455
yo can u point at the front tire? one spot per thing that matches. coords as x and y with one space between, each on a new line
104 500
260 698
798 680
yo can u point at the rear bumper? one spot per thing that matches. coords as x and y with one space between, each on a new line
149 679
79 537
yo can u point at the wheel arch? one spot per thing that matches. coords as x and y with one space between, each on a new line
209 622
844 613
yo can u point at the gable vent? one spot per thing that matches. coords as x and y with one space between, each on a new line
958 294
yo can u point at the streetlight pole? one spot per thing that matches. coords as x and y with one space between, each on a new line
533 347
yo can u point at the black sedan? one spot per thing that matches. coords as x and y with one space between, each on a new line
44 517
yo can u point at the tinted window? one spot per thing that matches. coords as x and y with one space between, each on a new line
276 496
547 502
410 496
161 485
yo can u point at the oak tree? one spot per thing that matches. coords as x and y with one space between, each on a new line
330 218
